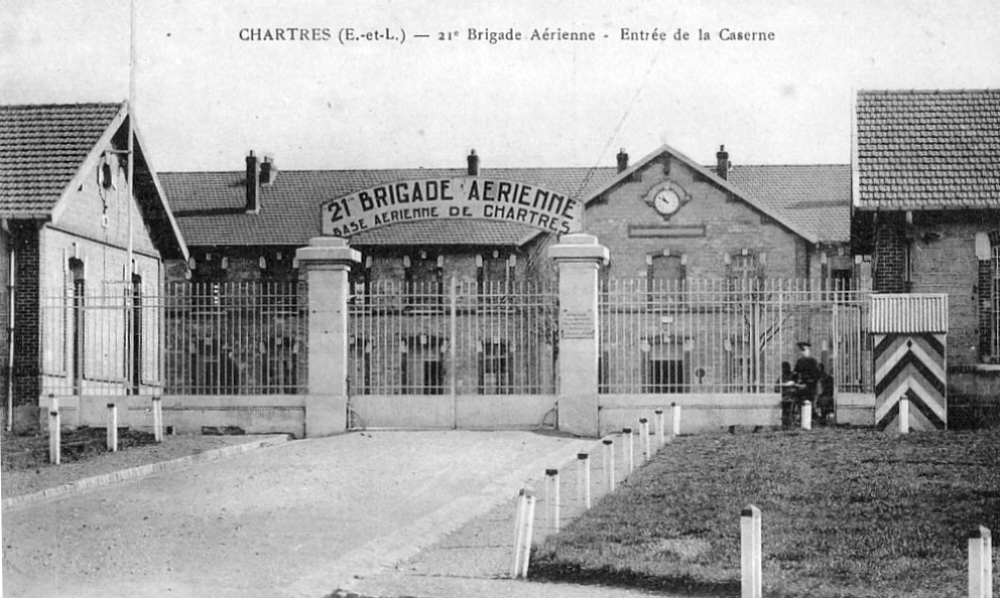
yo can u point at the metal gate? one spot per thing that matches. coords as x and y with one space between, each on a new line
462 355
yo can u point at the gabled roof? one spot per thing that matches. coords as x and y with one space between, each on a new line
46 150
42 148
210 206
927 150
743 194
813 197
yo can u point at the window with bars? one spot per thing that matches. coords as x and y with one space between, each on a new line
994 323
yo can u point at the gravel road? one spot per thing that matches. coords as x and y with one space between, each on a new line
298 519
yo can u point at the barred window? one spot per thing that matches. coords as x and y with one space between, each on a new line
994 330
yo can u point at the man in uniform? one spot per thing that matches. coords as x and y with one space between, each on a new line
806 373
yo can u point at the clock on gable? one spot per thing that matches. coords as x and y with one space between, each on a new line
666 198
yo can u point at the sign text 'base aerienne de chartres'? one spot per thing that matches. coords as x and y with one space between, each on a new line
451 198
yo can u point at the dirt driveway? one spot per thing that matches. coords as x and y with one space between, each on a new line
300 519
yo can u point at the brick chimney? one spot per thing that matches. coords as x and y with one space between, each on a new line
722 163
253 184
267 171
473 164
622 161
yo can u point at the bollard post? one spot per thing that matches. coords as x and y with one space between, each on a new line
807 415
904 414
157 418
522 532
609 464
750 552
55 435
659 428
980 563
629 448
584 460
644 433
529 524
552 499
676 419
112 427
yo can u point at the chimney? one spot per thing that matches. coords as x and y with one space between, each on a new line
267 171
253 183
622 161
722 163
473 164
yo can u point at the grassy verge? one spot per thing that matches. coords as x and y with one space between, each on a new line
853 513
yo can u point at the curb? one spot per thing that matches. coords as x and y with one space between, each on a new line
135 473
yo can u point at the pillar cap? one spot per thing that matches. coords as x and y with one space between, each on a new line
579 247
327 250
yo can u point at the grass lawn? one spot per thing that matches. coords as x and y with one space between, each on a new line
846 512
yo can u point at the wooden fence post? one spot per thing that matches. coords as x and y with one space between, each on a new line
584 460
55 434
552 500
157 418
750 552
629 448
609 464
644 438
659 428
112 427
980 563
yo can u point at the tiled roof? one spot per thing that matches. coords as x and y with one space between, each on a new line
42 148
209 206
928 150
815 198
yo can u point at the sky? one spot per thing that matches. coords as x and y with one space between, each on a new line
204 97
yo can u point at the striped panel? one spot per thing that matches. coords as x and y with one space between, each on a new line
909 312
910 365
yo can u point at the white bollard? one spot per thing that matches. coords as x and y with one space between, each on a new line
980 563
584 460
659 428
524 518
157 419
552 500
807 415
609 464
112 427
750 552
529 525
904 414
644 437
629 448
55 434
676 413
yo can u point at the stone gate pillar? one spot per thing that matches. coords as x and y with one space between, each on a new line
324 265
578 257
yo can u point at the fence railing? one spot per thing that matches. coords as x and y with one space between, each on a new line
727 336
452 338
184 339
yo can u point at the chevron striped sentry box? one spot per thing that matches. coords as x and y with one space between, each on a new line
909 334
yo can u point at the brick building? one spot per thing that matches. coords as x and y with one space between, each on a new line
664 217
65 235
926 207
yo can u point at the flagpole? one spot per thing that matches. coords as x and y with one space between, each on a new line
129 267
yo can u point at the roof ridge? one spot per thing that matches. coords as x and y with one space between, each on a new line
70 105
406 168
926 91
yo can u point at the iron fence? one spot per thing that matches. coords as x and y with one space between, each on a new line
727 335
183 339
460 338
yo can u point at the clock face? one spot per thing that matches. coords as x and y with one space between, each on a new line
666 202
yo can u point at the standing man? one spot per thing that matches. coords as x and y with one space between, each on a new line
806 373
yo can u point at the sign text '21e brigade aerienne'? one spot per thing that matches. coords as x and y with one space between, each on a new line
451 198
